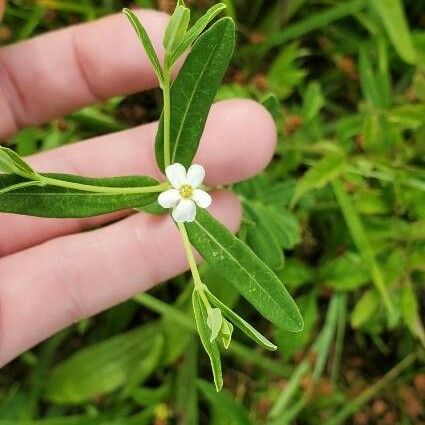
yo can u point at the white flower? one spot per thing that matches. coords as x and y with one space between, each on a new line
185 193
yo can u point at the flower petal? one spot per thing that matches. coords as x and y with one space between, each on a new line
195 175
202 198
169 198
176 175
184 211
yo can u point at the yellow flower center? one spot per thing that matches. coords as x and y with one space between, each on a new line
186 191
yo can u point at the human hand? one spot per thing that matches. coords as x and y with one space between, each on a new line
51 274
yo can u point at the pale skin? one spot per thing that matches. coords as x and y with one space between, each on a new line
51 273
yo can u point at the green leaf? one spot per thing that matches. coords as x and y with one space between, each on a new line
226 410
59 202
282 223
226 332
22 185
372 82
214 322
394 19
145 396
211 347
176 29
319 175
410 309
185 389
153 209
291 343
146 42
365 308
296 273
244 326
315 21
229 256
361 240
313 102
272 104
146 366
68 420
262 240
100 368
193 92
285 72
345 273
12 163
196 30
174 322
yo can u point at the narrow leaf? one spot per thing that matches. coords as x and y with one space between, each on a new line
196 30
365 308
244 326
229 256
59 202
193 92
361 240
11 162
262 240
313 102
176 28
185 394
411 312
225 409
100 368
394 19
319 175
146 42
214 322
272 104
204 333
226 333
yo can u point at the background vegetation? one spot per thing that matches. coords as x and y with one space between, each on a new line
344 199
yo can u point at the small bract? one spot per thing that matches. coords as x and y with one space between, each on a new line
185 194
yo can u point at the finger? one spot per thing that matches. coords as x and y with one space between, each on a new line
2 7
56 73
67 279
238 142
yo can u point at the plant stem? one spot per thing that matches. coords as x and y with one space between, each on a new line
236 348
167 116
199 286
20 186
103 189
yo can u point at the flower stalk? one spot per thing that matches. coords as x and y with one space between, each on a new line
199 286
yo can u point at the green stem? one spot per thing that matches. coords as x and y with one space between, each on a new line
20 186
104 189
199 286
167 116
236 348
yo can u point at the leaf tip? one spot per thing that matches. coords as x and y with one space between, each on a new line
298 323
271 347
218 385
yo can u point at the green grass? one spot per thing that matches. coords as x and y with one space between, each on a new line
344 200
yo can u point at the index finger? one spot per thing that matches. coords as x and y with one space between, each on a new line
58 72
